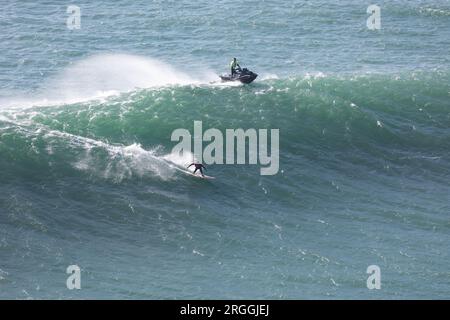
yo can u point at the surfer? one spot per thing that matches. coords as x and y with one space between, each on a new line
198 166
234 65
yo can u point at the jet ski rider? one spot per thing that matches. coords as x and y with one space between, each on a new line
234 66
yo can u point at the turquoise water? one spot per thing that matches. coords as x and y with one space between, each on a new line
88 177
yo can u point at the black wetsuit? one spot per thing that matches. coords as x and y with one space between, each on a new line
198 166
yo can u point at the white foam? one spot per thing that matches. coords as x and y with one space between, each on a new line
107 74
112 162
181 161
269 76
104 75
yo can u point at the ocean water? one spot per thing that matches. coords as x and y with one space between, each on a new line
88 177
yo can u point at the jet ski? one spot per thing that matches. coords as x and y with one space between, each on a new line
243 75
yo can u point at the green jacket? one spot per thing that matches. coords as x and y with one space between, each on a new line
234 64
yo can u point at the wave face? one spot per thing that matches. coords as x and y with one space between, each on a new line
364 171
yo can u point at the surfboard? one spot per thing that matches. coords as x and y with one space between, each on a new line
199 175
